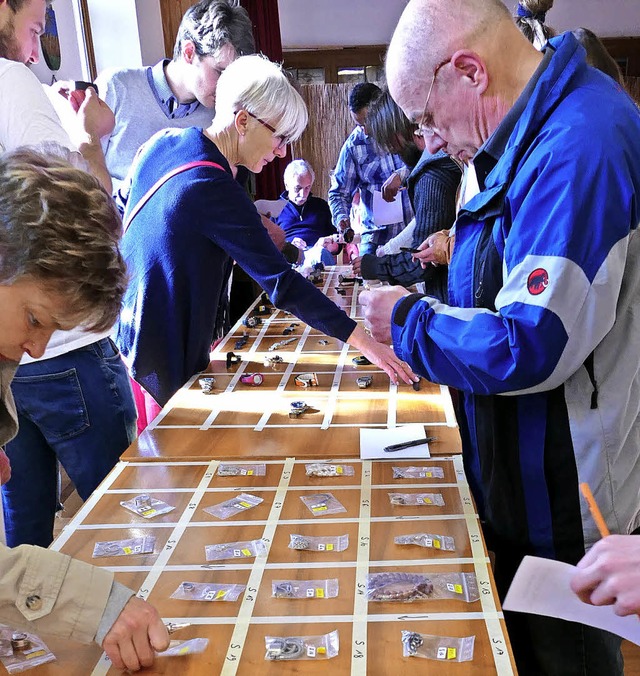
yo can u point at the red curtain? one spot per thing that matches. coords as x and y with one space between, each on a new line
266 31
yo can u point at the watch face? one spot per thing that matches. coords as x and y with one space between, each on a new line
258 378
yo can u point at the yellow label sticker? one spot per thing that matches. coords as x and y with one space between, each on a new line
221 594
427 500
451 653
148 512
457 588
37 653
127 550
250 472
428 474
329 546
246 552
319 508
184 650
319 593
436 544
246 505
321 650
339 469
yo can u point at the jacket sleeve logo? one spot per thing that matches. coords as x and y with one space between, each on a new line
537 281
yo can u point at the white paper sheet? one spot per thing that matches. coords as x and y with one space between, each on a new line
373 441
541 586
386 213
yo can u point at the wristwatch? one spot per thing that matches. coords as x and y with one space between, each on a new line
252 379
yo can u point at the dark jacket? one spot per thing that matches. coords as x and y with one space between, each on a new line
310 222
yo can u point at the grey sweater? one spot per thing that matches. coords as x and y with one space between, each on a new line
139 115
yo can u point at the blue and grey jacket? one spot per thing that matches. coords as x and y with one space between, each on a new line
542 331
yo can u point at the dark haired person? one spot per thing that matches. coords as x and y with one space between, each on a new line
362 167
176 93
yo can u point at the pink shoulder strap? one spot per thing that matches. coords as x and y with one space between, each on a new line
161 181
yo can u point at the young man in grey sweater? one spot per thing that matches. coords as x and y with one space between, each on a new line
173 93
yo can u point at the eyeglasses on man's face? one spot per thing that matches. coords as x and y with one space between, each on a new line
425 123
283 140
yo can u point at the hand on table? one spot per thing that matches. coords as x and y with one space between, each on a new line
382 356
136 636
378 307
609 574
391 187
5 468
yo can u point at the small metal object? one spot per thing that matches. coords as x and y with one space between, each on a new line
172 627
322 341
33 602
142 501
252 379
399 587
397 500
112 548
263 310
361 361
241 342
364 381
413 641
282 343
229 470
323 500
343 279
298 542
306 380
188 586
297 409
252 322
232 359
207 384
341 291
285 649
416 385
20 641
273 360
284 590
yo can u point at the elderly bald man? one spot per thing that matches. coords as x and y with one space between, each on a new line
544 286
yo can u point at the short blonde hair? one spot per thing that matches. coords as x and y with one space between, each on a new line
259 86
59 227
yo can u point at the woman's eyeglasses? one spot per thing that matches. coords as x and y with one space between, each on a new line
283 140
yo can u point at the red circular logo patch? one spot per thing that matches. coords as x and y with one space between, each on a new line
537 281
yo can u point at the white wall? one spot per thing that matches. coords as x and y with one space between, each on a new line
71 61
337 23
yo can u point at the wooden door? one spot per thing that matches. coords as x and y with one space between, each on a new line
172 12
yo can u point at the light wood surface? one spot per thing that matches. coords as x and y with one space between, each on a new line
247 424
370 521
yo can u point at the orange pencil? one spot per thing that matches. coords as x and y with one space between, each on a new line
595 511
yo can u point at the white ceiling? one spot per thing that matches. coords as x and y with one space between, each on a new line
343 23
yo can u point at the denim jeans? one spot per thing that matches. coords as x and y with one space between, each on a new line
76 409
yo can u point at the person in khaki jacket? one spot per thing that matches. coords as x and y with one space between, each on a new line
60 267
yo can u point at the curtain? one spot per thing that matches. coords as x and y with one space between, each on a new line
266 31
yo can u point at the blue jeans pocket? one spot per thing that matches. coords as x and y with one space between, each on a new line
54 402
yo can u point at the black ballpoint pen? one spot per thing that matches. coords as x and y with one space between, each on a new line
408 444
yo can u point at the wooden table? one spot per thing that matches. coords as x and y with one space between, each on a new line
177 461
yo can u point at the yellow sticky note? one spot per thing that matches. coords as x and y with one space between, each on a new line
428 474
221 594
457 588
127 550
339 469
246 505
321 650
451 653
250 472
319 593
436 544
329 547
246 552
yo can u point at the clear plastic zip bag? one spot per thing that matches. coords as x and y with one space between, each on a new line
128 547
229 508
191 646
325 469
235 550
442 648
329 543
400 587
240 469
443 542
322 504
305 589
207 591
146 506
302 647
21 651
418 473
416 499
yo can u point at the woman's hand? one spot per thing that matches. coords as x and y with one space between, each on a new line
382 356
5 468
